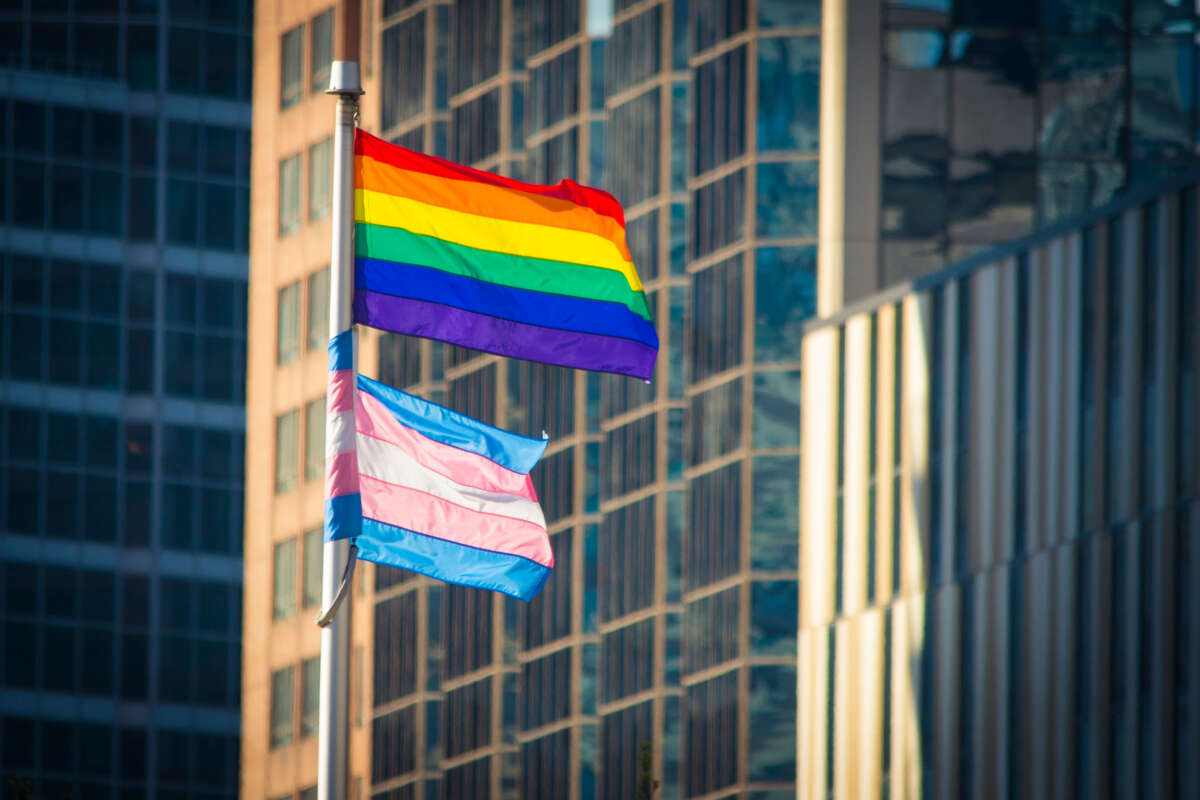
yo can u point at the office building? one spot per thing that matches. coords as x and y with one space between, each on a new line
671 617
124 146
1001 519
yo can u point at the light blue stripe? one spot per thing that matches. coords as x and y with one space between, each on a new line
341 351
343 517
517 453
449 561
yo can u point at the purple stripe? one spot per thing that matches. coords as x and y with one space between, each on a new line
504 337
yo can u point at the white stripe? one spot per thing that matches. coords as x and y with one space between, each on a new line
339 433
387 462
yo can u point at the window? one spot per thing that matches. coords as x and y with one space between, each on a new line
291 89
287 442
310 688
320 166
314 439
289 195
314 546
285 579
318 309
322 51
288 343
282 698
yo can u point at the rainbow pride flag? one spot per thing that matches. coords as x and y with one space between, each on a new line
422 487
536 272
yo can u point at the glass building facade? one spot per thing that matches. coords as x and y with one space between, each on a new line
124 172
1000 119
670 617
999 579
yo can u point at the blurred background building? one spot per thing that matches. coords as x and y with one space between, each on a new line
124 203
999 583
671 618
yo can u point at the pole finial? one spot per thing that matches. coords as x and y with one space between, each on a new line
344 79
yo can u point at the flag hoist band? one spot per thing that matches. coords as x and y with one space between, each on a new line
425 247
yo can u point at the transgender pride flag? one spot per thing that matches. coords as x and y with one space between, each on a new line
425 488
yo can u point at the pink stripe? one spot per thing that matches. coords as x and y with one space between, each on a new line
341 474
340 396
468 469
424 513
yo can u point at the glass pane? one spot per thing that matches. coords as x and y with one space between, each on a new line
282 698
314 544
318 309
992 200
310 684
789 85
1164 97
994 94
285 579
785 298
777 409
1083 87
314 440
288 341
322 51
772 724
774 519
787 199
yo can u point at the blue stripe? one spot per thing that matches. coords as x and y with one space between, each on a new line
517 453
449 561
517 305
343 517
341 351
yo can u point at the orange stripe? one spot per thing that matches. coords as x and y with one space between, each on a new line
487 201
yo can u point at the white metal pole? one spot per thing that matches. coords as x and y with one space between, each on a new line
333 729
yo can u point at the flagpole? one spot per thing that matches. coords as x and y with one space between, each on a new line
333 728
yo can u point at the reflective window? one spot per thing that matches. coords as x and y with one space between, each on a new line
546 766
291 59
285 580
287 343
310 689
287 445
467 621
774 525
1068 188
991 199
633 50
626 559
773 614
289 195
282 700
994 80
714 547
321 33
632 445
716 20
712 630
1083 16
314 439
403 73
1083 86
716 329
554 90
789 86
548 616
555 159
395 657
621 735
716 422
777 409
785 299
772 723
477 128
1164 97
468 717
719 214
711 713
313 558
546 689
633 150
719 89
550 21
320 166
477 43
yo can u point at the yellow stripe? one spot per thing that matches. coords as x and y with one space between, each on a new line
488 233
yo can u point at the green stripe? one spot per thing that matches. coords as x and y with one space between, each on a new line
519 272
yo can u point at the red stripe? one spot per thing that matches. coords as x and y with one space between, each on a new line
596 199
